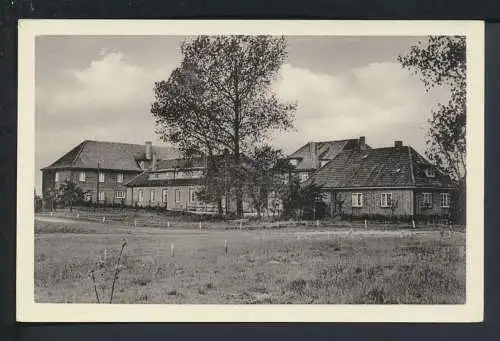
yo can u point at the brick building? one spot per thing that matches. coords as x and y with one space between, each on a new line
102 169
391 181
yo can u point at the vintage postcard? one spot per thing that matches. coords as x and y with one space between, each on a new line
250 171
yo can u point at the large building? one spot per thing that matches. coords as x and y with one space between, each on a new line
395 181
102 169
175 184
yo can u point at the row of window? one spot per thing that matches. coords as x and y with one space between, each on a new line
387 201
102 195
152 195
82 177
164 195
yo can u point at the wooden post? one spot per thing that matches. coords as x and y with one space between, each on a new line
172 249
241 224
199 225
366 225
168 224
225 247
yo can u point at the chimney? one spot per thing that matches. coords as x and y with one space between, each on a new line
153 164
362 141
147 151
398 144
314 154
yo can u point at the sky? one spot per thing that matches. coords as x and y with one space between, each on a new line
101 88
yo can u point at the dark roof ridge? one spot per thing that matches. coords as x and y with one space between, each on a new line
79 152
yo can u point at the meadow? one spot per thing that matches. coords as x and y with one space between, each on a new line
218 264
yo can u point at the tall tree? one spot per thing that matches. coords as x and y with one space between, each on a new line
441 61
221 98
70 193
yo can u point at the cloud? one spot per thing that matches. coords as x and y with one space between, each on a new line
107 100
380 101
110 89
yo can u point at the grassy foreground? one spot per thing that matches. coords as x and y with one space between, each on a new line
261 266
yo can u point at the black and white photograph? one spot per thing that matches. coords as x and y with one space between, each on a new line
235 169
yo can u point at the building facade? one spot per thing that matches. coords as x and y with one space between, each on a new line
175 185
101 169
393 181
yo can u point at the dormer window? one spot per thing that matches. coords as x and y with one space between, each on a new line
429 172
294 162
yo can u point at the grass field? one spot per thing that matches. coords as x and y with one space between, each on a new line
291 265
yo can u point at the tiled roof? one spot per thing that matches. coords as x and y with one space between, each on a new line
380 167
325 150
109 155
142 180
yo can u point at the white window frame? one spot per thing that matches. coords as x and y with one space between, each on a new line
386 199
152 195
141 195
177 195
192 195
445 200
57 176
101 196
119 194
102 177
82 176
164 195
119 178
426 199
357 199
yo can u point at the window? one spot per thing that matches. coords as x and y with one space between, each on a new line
141 195
141 164
120 195
88 197
294 162
152 195
56 177
386 200
81 177
164 195
101 196
101 177
445 200
426 200
119 178
192 195
357 200
429 172
177 195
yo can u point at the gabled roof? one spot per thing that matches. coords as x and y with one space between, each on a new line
325 150
380 167
109 155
